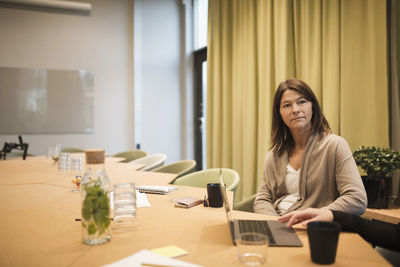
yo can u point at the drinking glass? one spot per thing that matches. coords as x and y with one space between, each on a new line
64 163
175 193
53 152
252 248
124 200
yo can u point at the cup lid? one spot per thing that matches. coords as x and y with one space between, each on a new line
94 156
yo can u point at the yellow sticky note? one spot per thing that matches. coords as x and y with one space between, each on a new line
170 251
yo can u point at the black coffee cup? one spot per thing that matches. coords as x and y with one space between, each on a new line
323 238
214 195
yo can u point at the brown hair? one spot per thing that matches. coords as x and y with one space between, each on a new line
282 139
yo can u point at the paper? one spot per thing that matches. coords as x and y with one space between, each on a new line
170 251
141 200
149 258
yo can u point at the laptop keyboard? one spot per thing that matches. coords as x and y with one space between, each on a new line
256 226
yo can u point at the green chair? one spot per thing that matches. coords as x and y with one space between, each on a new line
72 150
246 204
179 168
150 162
202 178
17 155
130 155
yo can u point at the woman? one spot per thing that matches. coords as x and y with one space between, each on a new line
307 166
378 233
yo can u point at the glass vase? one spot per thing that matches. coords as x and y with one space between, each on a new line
95 190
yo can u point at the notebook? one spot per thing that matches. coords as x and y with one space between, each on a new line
187 202
278 234
155 189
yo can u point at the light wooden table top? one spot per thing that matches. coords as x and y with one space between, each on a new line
390 215
38 226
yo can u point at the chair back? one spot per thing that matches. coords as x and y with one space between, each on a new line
150 162
72 150
202 178
130 155
179 168
246 204
17 154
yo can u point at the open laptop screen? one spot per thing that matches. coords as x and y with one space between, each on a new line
224 196
278 234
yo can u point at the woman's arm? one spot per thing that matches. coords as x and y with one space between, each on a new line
306 216
263 201
352 196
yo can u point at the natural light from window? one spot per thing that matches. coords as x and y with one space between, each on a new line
200 23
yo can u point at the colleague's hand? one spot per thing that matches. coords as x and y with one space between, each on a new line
306 216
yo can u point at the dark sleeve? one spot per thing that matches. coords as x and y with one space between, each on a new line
378 233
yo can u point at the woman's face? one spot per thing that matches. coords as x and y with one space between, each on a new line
296 111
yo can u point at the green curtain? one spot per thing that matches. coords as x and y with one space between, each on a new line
394 75
337 47
394 52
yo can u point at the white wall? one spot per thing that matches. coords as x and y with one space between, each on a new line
157 77
100 42
133 49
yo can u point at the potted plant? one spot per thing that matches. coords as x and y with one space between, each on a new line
379 165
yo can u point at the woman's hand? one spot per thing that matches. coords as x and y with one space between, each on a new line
306 216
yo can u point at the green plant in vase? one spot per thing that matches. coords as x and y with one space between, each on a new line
379 164
95 209
376 161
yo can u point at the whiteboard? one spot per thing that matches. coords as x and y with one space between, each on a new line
40 101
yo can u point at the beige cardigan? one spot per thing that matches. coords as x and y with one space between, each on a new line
328 178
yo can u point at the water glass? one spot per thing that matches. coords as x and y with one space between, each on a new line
64 163
176 192
252 248
57 149
124 200
53 152
49 152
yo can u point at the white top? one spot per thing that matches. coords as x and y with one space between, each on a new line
292 186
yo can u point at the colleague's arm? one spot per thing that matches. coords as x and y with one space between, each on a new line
378 233
386 235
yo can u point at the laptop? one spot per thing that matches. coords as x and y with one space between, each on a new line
278 234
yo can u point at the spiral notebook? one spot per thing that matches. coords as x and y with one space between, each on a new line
155 189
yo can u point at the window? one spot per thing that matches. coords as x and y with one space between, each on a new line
200 9
200 80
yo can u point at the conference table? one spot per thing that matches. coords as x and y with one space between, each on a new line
38 226
389 215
